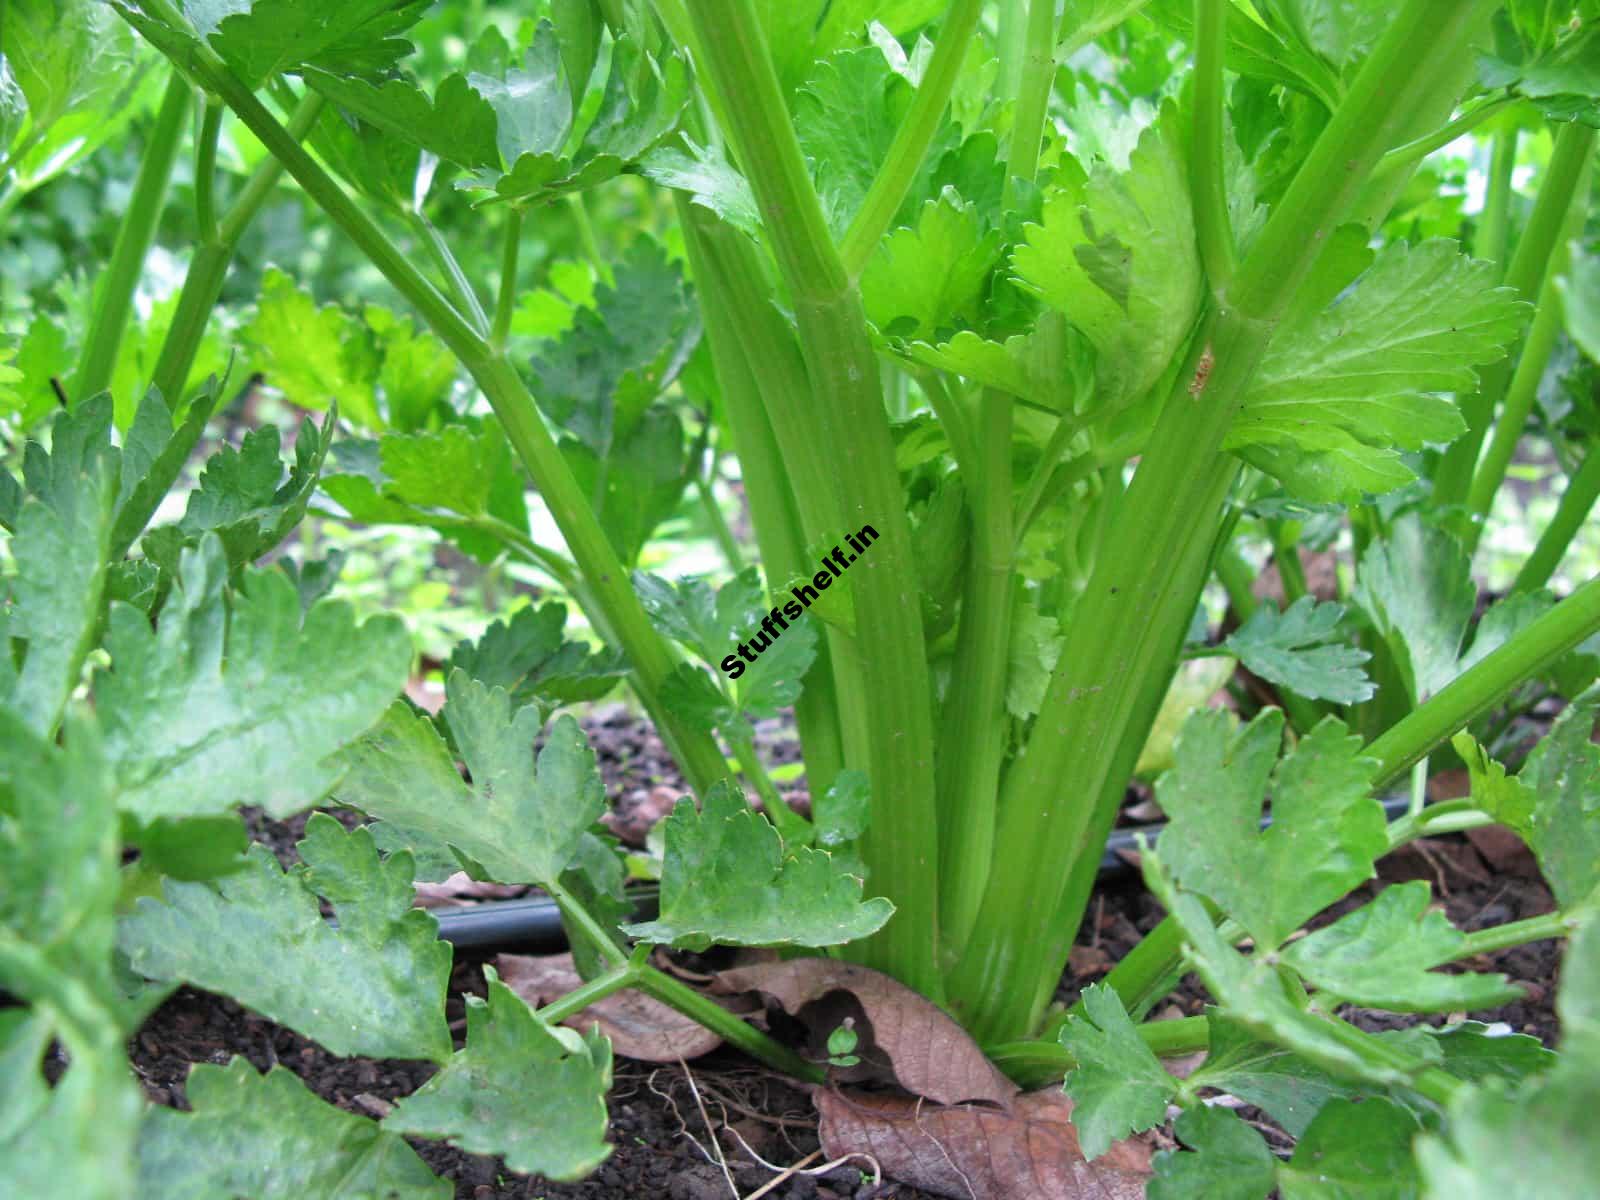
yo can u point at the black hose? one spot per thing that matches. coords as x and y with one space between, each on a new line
534 923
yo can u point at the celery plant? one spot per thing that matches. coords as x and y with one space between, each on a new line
1060 362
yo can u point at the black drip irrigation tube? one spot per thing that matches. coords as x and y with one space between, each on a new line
534 923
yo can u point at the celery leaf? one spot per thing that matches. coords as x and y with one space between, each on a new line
1341 392
1325 833
1300 648
1118 1087
270 1137
519 1089
375 986
728 879
1224 1159
212 710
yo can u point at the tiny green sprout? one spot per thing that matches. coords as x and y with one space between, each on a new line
842 1043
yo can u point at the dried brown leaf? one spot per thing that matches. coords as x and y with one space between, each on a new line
904 1038
638 1026
979 1153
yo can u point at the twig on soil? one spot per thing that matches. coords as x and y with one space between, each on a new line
722 1159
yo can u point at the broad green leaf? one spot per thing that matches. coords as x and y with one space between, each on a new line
375 986
153 456
1551 59
65 57
59 855
458 480
925 278
1301 649
598 378
73 1138
845 116
264 37
1535 1139
61 545
711 181
457 123
191 848
1470 1051
244 500
529 657
316 355
715 626
1341 392
549 146
1118 1087
520 822
1225 1160
1416 586
638 482
1325 832
1115 253
519 1089
1035 649
1341 31
1562 775
1382 955
728 879
1291 1090
1353 1149
1252 991
216 709
1049 373
271 1138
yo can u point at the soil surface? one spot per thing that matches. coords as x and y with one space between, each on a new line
668 1122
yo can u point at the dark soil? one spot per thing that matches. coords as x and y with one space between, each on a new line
663 1143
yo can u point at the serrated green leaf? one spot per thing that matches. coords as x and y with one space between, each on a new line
192 848
212 710
153 455
316 355
60 873
72 1139
61 546
1035 648
269 1137
1055 375
1300 649
711 181
1325 833
1353 1149
518 1090
1115 253
1118 1087
1551 59
65 57
1291 1090
529 657
1563 776
243 498
1342 390
728 879
519 822
1382 955
265 37
1417 588
1470 1051
924 278
456 123
845 116
1341 31
1225 1160
375 986
638 482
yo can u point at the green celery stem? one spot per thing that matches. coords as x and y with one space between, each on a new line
115 288
1064 787
1453 478
1577 502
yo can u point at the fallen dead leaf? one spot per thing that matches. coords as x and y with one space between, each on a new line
904 1039
638 1026
462 888
978 1153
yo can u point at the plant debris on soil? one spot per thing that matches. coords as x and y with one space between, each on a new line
721 1127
